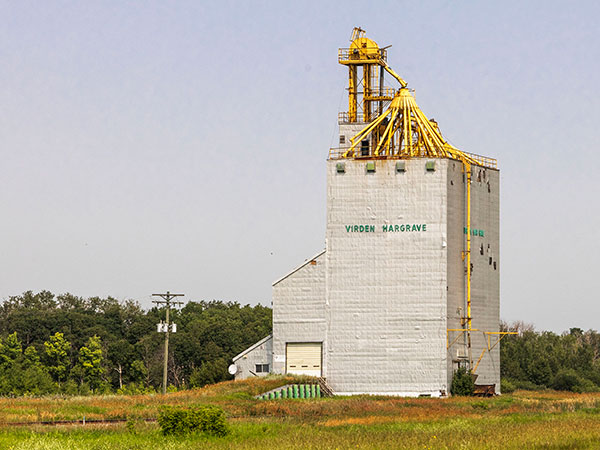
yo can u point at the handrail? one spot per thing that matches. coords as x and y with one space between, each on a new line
346 54
338 153
484 161
344 117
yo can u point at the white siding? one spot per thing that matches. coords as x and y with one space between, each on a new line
386 292
380 302
485 284
259 353
298 308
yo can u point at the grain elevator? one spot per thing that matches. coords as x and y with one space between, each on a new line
407 288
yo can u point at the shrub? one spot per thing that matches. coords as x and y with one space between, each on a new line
588 386
206 419
209 373
527 385
507 386
567 380
462 383
130 425
70 388
131 389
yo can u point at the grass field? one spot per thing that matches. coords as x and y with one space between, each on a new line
548 420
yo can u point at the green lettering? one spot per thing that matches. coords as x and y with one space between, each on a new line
407 228
481 233
361 228
348 228
401 227
424 227
465 230
356 228
396 227
384 227
372 228
418 227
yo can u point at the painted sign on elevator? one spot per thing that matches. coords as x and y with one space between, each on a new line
393 228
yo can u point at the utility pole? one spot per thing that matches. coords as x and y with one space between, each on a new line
167 299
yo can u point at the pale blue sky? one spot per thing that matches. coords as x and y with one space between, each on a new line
181 145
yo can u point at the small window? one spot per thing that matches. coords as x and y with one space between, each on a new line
481 249
262 368
342 139
494 265
364 147
490 260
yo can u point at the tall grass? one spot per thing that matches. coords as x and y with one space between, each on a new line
543 419
520 431
237 399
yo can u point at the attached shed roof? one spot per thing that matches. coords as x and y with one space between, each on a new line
252 347
322 252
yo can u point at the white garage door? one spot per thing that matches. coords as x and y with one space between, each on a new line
303 358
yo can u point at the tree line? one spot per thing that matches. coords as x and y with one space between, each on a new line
74 345
538 360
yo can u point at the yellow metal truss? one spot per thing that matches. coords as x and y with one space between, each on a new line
487 335
490 346
364 58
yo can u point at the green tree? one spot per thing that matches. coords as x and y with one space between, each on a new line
462 383
32 359
22 373
138 373
119 356
210 372
57 356
90 362
209 334
539 370
10 349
